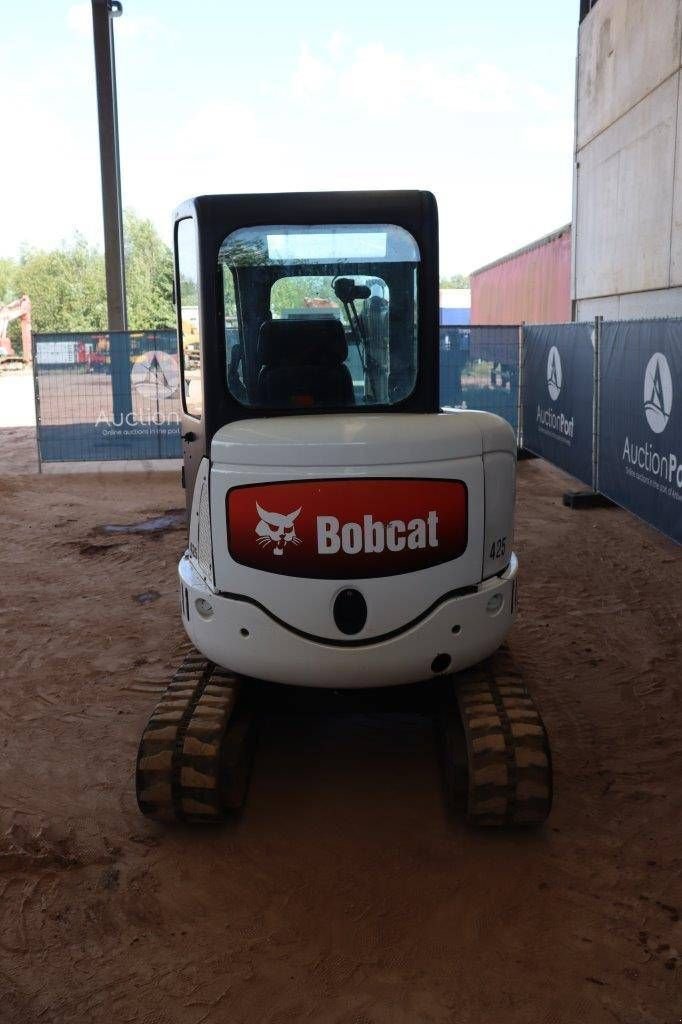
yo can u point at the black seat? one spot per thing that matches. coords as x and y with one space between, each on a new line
303 364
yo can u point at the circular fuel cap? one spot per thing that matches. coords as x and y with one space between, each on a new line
350 611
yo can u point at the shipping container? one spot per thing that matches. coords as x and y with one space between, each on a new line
531 285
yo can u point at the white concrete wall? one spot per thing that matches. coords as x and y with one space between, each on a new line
626 48
628 176
633 305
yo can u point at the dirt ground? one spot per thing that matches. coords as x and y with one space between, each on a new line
345 893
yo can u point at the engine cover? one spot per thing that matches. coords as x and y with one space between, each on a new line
394 504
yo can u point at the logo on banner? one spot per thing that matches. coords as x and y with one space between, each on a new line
275 530
658 392
659 469
554 373
155 374
554 422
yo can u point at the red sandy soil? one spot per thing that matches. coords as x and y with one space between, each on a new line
18 452
346 892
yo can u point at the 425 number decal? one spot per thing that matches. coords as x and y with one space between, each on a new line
498 548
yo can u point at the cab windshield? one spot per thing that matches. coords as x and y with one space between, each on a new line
320 316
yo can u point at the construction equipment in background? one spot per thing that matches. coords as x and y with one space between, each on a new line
19 309
344 533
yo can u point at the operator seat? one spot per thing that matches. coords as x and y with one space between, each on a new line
303 364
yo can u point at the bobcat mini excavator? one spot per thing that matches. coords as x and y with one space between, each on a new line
343 531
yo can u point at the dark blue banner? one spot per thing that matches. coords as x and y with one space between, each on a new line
640 420
107 396
557 384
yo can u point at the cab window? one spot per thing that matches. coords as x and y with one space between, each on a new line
321 316
188 315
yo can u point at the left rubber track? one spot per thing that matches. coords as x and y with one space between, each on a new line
196 752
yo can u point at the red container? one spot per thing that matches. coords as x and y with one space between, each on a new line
532 285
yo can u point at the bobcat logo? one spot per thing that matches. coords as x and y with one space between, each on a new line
276 529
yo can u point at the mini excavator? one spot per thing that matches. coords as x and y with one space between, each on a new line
344 532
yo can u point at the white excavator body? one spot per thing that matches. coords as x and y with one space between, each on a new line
340 552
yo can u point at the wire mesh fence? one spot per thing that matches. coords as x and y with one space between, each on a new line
558 374
115 395
596 399
479 369
107 396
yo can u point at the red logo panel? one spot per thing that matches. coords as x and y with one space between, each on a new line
347 529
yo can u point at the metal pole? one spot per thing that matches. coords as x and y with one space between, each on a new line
576 176
36 397
519 400
596 384
103 12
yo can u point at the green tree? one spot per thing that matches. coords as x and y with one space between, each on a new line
149 275
8 292
8 276
455 281
292 292
66 287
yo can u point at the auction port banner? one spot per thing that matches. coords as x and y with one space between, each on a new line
640 420
557 387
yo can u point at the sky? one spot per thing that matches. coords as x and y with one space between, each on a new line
472 101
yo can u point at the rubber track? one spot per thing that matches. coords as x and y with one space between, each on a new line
508 754
180 772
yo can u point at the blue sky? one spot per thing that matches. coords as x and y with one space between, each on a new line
472 101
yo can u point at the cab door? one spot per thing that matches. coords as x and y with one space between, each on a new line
192 425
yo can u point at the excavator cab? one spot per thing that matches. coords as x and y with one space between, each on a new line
343 531
307 304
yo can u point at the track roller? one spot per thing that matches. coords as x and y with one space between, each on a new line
196 752
497 758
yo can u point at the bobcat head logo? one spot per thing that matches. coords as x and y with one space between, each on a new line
276 529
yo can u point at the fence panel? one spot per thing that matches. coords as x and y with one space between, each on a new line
479 369
640 420
558 372
107 396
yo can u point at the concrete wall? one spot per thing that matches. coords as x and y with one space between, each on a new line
627 257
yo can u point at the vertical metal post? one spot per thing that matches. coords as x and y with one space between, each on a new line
576 176
595 405
36 398
121 387
103 12
519 399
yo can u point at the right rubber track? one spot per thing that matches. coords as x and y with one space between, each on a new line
194 758
509 763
